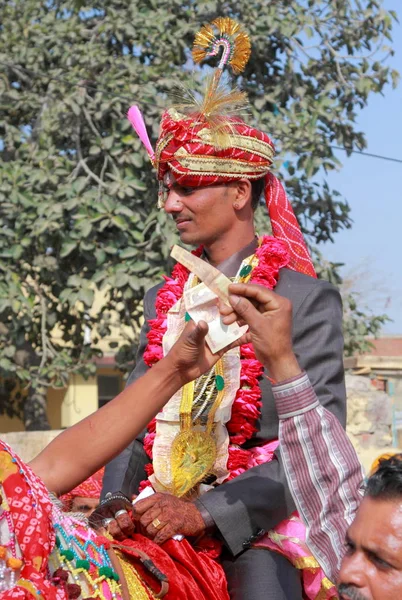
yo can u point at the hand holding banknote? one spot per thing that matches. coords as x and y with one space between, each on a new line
269 317
202 305
201 301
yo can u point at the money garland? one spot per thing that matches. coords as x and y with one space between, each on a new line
272 255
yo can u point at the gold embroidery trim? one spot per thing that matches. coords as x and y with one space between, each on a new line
211 164
203 173
161 145
326 585
137 588
306 562
243 142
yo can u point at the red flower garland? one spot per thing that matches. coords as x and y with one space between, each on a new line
272 255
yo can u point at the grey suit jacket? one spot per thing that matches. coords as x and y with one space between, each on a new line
254 502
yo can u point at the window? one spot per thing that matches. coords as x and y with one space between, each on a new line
109 386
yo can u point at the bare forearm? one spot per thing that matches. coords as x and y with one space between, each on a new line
83 448
283 367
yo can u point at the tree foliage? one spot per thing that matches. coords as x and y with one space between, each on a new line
77 194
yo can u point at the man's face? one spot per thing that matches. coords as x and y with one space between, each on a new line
202 214
372 566
84 505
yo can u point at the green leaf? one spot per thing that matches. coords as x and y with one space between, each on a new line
5 364
86 229
137 185
120 222
128 253
87 296
79 184
128 139
65 295
67 248
121 279
74 281
140 266
100 256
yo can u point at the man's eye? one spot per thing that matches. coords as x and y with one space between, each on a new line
379 562
187 191
349 547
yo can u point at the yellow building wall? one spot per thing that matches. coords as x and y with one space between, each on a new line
8 424
55 399
69 405
80 400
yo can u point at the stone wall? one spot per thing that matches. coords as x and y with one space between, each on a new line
369 423
27 444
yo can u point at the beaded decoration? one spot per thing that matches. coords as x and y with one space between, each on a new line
81 556
9 565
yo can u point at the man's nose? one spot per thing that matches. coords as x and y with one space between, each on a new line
173 203
354 571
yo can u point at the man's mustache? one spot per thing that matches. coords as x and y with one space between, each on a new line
351 592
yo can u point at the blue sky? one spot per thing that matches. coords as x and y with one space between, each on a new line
372 248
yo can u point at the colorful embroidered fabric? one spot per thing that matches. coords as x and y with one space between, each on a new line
192 573
80 561
72 563
30 509
289 539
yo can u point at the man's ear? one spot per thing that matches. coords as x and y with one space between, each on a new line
242 195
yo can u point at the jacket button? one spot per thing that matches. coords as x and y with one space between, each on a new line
246 545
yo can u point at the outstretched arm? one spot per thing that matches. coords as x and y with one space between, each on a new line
321 465
322 468
83 448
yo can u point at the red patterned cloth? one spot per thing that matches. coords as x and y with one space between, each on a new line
31 516
192 574
90 488
186 148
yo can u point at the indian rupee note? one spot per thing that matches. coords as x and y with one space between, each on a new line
202 305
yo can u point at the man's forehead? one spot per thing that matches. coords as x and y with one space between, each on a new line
378 521
86 499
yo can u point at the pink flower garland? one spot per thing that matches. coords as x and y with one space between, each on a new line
272 256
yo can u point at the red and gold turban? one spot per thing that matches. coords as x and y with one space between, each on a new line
190 142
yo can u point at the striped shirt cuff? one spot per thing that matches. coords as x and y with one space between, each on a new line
294 396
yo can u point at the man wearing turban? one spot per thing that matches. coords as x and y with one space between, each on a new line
212 169
84 498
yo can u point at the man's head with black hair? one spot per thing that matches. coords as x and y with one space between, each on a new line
386 481
372 566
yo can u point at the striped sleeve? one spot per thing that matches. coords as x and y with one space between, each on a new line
322 468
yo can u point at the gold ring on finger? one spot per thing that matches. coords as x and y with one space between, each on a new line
157 524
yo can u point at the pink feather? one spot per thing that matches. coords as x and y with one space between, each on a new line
137 121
